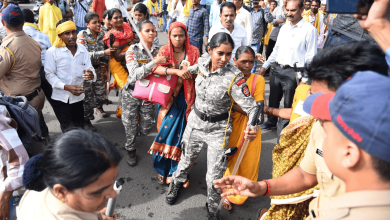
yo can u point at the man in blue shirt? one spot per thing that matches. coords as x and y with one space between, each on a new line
80 8
214 12
198 25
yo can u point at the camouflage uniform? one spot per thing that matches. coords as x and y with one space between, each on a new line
212 99
139 65
94 91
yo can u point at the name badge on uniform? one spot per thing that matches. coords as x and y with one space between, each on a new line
91 41
201 74
143 61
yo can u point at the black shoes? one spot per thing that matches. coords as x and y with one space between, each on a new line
173 192
212 215
88 125
132 158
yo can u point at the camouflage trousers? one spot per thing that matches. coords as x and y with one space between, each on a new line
93 94
137 118
198 134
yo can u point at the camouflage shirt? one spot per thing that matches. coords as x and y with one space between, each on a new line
138 63
212 89
104 29
95 46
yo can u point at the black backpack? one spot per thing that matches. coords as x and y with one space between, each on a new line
25 115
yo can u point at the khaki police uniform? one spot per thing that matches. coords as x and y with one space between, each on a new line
19 68
314 163
359 205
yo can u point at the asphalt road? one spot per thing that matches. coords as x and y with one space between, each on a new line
142 197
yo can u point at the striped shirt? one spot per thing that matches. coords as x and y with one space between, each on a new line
13 155
40 37
79 12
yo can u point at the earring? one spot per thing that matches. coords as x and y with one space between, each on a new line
63 201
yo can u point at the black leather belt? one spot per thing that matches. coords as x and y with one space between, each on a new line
290 67
215 118
34 94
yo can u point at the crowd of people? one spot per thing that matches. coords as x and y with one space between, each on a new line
331 160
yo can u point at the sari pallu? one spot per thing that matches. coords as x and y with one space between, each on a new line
172 120
249 166
286 156
119 72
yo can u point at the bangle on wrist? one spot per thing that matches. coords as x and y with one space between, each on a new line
268 187
165 71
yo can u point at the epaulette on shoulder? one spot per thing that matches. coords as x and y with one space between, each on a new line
234 69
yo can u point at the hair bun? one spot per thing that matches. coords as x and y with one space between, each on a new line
32 175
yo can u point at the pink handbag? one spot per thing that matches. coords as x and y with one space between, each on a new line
155 88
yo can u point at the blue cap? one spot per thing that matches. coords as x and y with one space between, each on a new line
360 109
12 14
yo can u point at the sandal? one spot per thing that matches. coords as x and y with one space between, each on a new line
160 179
227 205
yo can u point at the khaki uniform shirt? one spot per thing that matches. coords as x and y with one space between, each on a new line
314 163
45 206
359 205
24 77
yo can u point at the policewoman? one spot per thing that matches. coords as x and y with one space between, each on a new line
208 123
139 65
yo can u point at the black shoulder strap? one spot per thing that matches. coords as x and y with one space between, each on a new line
83 7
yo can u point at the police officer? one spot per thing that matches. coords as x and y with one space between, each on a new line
356 147
20 60
139 65
92 39
208 123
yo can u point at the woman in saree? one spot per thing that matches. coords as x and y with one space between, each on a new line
123 35
288 154
49 15
249 168
172 120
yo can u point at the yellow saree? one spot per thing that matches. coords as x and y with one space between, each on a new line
49 15
286 156
249 167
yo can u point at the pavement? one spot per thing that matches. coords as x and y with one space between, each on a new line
142 197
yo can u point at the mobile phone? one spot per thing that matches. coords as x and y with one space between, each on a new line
349 6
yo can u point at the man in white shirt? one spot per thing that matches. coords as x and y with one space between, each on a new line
296 45
67 65
244 18
177 12
316 19
227 25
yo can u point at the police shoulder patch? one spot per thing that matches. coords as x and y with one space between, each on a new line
129 57
80 41
245 91
240 82
1 58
